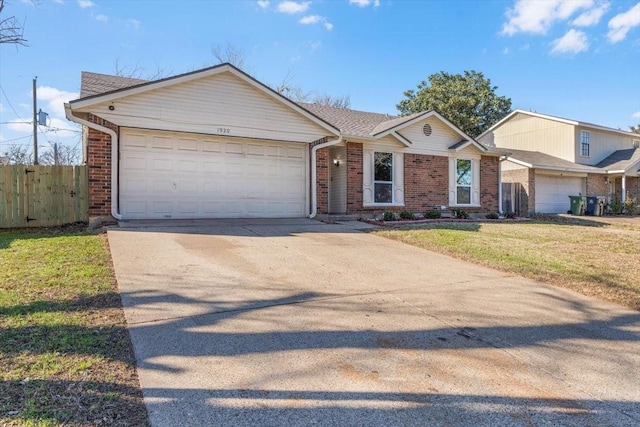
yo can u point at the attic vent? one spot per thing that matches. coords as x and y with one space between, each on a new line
426 129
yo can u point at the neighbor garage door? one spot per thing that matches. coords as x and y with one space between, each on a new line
552 192
178 175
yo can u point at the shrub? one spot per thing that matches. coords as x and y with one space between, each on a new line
510 215
460 214
492 215
433 214
630 205
405 214
388 216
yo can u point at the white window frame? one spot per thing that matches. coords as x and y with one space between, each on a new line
585 142
397 178
474 188
392 182
470 186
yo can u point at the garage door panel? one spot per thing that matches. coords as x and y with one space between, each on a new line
168 175
552 192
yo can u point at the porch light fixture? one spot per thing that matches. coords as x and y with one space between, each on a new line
336 162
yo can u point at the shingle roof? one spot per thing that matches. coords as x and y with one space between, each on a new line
350 122
621 159
539 160
95 83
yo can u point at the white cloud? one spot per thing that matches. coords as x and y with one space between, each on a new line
636 115
621 24
133 23
85 3
506 51
55 100
22 127
537 16
573 41
316 19
365 3
263 3
102 18
591 17
292 7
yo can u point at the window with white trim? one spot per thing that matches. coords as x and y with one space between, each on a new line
382 177
584 143
463 181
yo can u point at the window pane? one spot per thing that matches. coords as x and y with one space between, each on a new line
383 167
382 193
464 196
463 172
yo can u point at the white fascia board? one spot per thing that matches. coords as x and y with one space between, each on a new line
401 138
519 162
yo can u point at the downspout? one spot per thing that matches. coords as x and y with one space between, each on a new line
314 174
114 155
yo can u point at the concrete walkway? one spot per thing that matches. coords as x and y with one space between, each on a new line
297 322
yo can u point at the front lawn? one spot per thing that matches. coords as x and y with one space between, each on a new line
597 258
65 354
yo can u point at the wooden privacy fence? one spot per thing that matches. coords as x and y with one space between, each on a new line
40 196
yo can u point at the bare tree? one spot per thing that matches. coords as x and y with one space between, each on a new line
18 154
333 101
229 54
11 31
59 154
137 72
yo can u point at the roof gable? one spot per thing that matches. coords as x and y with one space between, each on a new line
555 119
122 89
621 160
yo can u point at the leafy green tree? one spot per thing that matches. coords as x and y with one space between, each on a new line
635 129
467 100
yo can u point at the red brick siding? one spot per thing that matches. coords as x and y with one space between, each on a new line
354 178
426 182
597 185
99 164
322 179
489 193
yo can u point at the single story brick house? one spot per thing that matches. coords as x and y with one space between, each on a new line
217 143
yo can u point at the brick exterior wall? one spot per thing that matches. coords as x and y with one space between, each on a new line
597 185
354 177
322 179
489 193
99 165
525 192
426 182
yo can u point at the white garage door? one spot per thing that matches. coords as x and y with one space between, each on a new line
552 192
179 175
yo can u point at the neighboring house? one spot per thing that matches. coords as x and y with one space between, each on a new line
551 158
216 143
4 160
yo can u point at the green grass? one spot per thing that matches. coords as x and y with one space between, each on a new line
65 354
594 258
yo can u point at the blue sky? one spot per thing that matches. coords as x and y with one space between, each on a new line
578 59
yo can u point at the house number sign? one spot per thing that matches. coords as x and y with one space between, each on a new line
223 130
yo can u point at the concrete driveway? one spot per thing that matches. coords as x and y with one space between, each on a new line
297 322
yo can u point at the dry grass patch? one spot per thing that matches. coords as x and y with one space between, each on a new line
65 354
599 259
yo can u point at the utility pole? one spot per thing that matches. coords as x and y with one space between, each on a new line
55 154
35 124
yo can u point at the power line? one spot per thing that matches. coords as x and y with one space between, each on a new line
11 105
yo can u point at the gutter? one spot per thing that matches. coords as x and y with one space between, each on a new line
114 155
314 174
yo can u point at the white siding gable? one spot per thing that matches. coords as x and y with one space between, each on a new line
221 104
438 143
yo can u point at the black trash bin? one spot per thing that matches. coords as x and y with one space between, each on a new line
592 205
